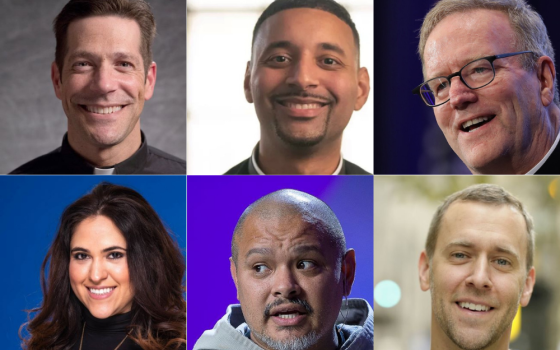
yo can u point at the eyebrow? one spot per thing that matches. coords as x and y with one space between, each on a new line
108 249
500 249
90 55
259 251
306 249
332 47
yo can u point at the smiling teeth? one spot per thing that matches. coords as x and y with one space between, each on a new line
474 121
303 106
288 316
104 110
474 307
100 291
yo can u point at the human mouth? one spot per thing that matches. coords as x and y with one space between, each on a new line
291 316
473 124
296 107
100 293
474 307
101 109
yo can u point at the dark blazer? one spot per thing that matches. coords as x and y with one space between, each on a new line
552 164
348 168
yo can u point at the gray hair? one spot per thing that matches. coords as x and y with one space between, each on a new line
487 194
528 27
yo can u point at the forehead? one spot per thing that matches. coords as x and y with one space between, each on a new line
281 233
464 36
104 33
97 231
485 226
305 28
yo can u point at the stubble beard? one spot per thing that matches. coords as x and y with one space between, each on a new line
293 343
303 141
462 339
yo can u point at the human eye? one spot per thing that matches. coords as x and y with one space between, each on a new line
260 269
502 262
278 60
81 65
458 256
115 255
80 256
329 61
306 265
125 65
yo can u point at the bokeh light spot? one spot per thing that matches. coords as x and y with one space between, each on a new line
387 293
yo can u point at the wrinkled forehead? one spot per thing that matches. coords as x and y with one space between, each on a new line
462 37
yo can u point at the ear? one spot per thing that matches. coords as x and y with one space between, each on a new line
547 76
363 88
528 288
247 84
150 81
348 270
424 271
233 271
56 80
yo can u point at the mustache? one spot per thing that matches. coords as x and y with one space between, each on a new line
304 94
279 302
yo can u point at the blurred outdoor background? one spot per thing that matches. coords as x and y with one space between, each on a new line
404 206
222 127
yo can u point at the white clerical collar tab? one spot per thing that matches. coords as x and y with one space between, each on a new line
99 171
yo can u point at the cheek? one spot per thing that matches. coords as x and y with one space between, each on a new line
76 273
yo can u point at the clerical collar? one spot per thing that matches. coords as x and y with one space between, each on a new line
133 164
254 168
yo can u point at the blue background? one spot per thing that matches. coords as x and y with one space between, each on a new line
30 209
214 206
407 139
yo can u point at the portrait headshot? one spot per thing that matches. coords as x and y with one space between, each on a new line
295 99
483 273
481 83
115 68
104 264
291 263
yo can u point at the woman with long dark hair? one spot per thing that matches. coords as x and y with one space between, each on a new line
114 280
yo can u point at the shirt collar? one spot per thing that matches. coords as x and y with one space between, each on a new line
254 168
540 164
132 165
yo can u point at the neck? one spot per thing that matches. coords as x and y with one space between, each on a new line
440 340
279 158
105 156
529 154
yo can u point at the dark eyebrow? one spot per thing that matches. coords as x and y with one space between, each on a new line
284 44
92 56
332 47
80 249
81 54
307 248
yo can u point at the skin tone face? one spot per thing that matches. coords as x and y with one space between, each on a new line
282 259
305 82
99 269
522 118
103 87
477 276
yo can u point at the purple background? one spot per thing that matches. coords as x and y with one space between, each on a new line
214 206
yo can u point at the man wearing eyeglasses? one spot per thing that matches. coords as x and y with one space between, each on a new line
490 78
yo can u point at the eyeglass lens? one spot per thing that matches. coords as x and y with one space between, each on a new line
476 74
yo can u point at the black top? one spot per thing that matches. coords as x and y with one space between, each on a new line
246 168
64 160
106 334
552 164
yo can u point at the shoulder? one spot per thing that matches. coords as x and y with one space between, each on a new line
50 163
240 169
352 169
160 162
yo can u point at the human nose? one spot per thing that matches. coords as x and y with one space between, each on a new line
285 284
303 74
104 80
480 275
460 95
97 271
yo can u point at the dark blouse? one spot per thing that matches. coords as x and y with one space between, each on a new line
106 334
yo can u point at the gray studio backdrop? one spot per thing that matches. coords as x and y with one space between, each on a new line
32 121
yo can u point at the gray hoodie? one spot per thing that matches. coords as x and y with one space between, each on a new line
231 331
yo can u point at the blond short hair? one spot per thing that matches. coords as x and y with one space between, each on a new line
486 194
528 27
